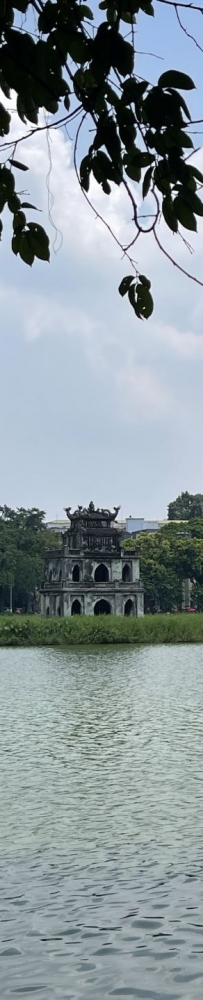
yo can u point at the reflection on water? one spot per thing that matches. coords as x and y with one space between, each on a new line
101 830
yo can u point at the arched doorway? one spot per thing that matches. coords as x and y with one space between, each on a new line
101 573
47 612
102 608
126 573
76 608
59 611
76 574
129 607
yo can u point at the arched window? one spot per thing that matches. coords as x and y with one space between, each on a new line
101 573
129 609
126 573
102 608
47 612
76 574
76 608
50 576
60 575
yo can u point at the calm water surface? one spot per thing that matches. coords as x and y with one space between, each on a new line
101 823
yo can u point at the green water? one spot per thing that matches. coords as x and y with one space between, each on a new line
101 829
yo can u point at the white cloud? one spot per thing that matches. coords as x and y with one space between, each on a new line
144 395
132 381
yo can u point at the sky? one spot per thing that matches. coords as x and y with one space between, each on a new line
94 404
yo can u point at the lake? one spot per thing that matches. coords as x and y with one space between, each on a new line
101 829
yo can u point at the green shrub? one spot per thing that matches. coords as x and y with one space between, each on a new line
38 631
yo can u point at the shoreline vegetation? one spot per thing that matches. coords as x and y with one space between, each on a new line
34 630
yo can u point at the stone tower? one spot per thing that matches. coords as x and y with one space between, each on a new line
92 574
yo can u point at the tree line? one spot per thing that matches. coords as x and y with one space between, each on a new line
173 554
24 538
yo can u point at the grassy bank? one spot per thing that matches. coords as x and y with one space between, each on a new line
35 631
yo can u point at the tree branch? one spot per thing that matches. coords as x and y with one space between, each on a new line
175 263
187 6
182 26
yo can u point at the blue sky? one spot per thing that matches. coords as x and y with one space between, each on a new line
94 404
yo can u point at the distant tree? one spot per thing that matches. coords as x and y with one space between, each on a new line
8 560
167 558
159 574
195 527
24 539
197 596
187 506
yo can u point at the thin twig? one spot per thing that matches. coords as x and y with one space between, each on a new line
174 262
187 6
42 128
186 32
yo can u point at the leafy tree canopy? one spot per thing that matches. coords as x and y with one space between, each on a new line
24 539
186 507
167 558
53 56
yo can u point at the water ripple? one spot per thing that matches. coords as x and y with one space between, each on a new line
101 834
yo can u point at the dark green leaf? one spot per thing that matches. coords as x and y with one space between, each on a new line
21 5
21 109
111 96
7 179
184 214
111 15
4 87
1 227
20 166
15 243
133 171
3 198
169 214
128 17
125 284
177 137
184 107
147 182
142 159
19 220
14 203
122 54
31 111
173 78
133 91
67 102
146 6
131 295
196 173
106 187
76 43
145 303
5 119
148 306
145 281
25 250
193 200
162 176
38 241
85 12
85 168
27 204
